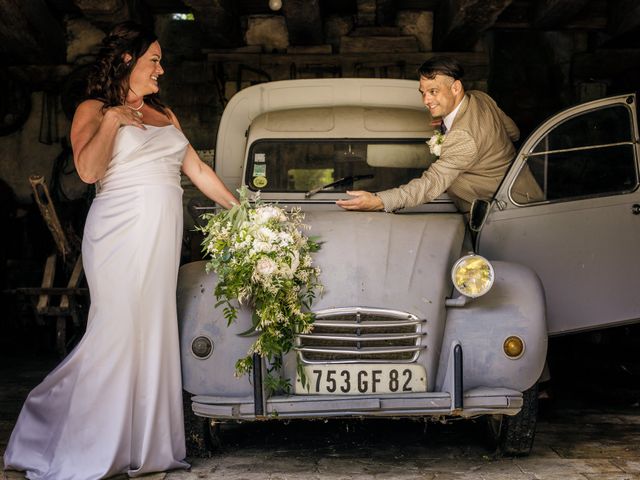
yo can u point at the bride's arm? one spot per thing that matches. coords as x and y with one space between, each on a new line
93 134
203 176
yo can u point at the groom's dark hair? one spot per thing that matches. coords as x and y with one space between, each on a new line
441 66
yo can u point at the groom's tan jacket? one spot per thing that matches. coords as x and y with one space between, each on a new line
475 155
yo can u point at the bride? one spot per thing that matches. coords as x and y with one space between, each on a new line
114 405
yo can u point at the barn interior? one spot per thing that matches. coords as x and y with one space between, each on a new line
534 57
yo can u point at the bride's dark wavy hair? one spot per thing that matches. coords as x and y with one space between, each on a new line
109 77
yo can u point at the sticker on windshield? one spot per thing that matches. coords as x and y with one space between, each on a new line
259 169
259 158
260 182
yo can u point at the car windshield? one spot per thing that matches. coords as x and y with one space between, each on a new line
306 165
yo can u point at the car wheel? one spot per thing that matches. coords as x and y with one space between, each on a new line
202 435
512 435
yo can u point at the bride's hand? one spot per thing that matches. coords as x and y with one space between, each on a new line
125 116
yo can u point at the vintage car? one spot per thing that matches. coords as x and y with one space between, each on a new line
421 315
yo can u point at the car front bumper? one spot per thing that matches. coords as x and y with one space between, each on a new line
477 401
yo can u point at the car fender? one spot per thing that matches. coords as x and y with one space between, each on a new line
198 316
514 306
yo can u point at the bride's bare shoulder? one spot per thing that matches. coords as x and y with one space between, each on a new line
90 106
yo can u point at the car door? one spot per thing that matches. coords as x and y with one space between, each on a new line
570 209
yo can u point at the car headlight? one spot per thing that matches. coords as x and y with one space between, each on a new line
472 275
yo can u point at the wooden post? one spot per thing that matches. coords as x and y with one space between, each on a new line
47 282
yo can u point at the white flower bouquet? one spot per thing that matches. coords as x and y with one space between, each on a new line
263 260
435 143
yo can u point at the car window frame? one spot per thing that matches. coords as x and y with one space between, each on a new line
541 135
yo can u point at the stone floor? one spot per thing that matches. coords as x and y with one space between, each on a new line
576 440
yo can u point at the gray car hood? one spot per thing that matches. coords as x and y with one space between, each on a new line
381 260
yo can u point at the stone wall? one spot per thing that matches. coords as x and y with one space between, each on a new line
23 153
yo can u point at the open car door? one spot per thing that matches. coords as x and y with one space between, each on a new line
570 209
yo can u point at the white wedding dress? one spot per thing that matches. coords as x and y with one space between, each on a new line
114 405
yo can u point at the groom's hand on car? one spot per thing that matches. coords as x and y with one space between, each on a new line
361 200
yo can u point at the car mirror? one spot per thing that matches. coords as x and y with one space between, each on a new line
478 214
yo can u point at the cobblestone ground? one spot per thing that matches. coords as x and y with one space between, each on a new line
573 442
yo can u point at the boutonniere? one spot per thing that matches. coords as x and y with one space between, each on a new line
435 143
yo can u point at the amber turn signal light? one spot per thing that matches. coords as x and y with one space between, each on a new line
513 347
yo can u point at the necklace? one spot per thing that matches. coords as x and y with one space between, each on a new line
136 108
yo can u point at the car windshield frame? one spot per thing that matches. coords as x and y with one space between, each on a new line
255 158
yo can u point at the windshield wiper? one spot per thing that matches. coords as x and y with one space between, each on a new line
340 181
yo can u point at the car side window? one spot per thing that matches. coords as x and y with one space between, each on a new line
591 154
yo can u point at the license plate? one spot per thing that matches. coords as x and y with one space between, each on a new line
348 379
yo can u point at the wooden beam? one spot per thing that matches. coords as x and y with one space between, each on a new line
550 14
459 23
476 65
218 20
29 34
304 22
405 43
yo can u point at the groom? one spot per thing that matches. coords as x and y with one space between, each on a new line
475 154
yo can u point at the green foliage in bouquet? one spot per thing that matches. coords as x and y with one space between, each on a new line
263 260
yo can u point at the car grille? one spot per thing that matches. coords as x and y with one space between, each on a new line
356 334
